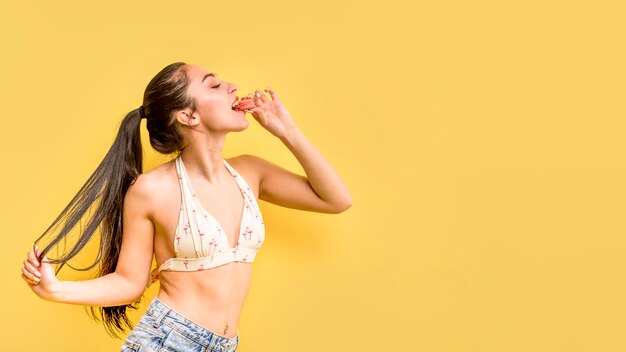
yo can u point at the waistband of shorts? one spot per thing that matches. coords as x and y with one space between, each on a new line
160 311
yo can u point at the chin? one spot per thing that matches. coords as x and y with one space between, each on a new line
242 127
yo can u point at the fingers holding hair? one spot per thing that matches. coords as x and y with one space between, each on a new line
31 269
33 256
30 278
30 272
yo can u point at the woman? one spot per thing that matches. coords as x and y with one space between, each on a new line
204 240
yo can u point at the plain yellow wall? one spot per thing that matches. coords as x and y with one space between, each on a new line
483 143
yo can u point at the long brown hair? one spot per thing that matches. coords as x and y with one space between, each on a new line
99 202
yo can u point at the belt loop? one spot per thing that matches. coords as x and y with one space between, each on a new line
212 342
160 317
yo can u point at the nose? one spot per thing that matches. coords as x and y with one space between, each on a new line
233 88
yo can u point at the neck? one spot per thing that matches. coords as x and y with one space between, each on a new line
203 156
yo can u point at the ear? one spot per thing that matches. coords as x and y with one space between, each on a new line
185 118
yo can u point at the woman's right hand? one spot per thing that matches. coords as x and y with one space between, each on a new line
39 276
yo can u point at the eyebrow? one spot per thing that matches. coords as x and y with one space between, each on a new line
207 75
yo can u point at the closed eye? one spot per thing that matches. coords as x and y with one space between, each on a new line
217 86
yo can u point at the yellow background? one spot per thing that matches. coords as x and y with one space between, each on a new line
482 141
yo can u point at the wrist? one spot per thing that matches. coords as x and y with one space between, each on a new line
53 291
291 136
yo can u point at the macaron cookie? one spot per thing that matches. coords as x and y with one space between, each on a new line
246 103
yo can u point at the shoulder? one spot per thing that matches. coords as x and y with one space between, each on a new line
149 186
250 167
250 164
255 165
246 161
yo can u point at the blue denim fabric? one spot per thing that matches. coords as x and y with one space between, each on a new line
163 329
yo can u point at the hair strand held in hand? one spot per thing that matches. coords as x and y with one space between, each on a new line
99 202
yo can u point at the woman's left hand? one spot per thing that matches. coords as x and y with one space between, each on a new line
272 114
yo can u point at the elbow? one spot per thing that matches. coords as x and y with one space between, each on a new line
136 297
134 290
343 206
130 299
137 293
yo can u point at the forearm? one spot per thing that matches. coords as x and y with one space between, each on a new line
321 175
109 290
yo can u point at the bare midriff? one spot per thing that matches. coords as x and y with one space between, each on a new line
212 298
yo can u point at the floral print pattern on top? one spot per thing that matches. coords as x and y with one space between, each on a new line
200 242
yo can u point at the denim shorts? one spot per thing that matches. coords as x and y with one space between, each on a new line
164 329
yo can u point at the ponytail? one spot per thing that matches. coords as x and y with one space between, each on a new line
99 203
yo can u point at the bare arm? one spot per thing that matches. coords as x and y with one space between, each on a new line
321 190
123 286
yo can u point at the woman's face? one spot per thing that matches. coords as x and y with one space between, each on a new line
213 99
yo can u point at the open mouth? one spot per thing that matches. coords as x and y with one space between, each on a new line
235 103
